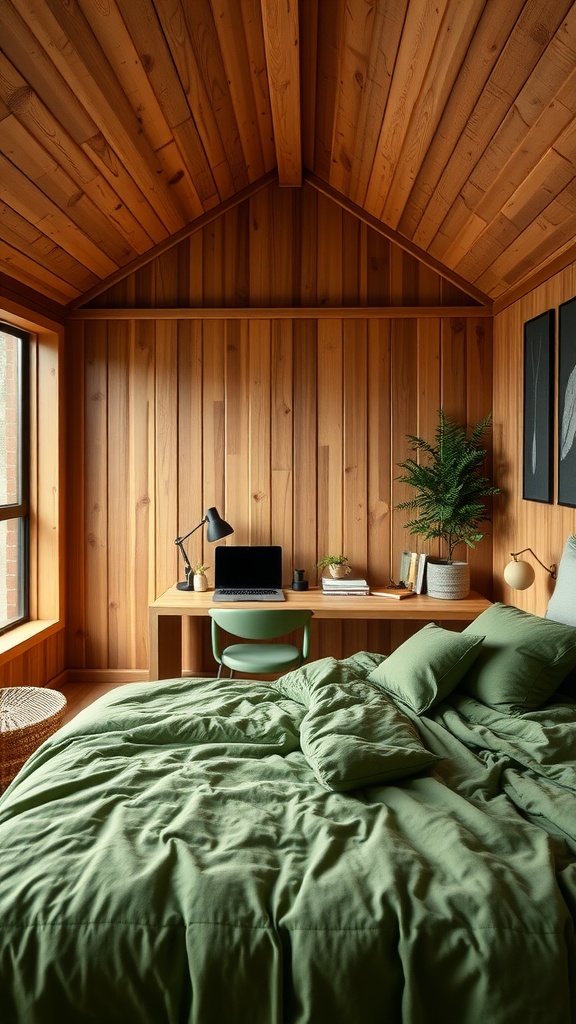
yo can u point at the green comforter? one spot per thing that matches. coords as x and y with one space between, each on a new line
233 852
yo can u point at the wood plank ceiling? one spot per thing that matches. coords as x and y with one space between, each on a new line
125 123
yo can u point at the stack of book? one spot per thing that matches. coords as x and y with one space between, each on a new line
344 587
412 573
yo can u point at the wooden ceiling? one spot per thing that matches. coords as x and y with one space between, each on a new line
124 124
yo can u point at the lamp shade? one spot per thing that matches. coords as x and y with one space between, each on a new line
519 574
217 527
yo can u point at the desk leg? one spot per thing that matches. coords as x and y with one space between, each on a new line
165 638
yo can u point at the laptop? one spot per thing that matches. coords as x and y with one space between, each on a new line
248 573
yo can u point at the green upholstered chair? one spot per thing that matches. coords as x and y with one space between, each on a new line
260 624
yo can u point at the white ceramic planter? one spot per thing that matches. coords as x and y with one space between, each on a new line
200 582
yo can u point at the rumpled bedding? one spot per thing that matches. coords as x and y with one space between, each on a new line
225 851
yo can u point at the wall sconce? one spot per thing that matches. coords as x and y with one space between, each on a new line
520 574
217 529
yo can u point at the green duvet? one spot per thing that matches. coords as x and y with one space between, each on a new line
237 852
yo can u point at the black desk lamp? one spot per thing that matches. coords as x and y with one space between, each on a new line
217 528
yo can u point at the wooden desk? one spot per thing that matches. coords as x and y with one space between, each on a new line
165 616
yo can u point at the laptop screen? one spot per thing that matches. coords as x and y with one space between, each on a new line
248 566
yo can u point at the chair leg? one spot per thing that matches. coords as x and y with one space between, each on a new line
219 673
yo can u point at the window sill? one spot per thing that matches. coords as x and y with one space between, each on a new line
23 637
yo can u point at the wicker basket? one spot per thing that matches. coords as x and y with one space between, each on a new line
448 580
28 715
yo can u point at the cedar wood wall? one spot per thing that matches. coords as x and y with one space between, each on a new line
291 427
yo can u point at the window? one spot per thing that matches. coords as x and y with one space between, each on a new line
14 477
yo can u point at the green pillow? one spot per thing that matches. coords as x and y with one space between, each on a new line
350 745
427 666
522 661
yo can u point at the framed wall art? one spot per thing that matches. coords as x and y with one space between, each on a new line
567 404
537 476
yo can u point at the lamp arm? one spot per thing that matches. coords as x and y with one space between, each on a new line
551 569
180 544
180 540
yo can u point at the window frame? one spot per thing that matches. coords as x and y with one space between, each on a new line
20 510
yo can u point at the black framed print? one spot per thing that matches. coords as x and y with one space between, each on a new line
538 407
567 404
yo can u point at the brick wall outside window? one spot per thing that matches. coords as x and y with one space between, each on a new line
9 454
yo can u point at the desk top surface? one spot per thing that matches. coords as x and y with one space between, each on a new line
326 606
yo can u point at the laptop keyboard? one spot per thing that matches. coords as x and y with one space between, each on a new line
240 593
251 594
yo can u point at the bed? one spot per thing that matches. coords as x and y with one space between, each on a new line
364 840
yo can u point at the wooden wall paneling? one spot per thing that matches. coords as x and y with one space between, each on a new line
308 229
428 374
453 369
281 448
213 263
330 525
429 286
479 373
261 212
236 257
330 534
355 465
97 370
380 564
192 287
76 509
329 286
165 283
237 432
355 438
429 396
167 516
141 481
378 256
211 461
121 566
404 420
379 482
283 247
293 428
260 437
305 454
191 507
329 253
353 263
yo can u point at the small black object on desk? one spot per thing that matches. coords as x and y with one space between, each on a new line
298 582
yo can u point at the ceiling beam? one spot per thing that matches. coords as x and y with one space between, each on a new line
282 44
399 240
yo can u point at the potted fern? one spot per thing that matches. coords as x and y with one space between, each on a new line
450 498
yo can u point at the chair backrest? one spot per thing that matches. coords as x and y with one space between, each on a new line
262 624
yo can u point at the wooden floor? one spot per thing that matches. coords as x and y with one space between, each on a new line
80 695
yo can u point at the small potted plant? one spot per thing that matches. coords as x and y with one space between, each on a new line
337 565
450 498
200 580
